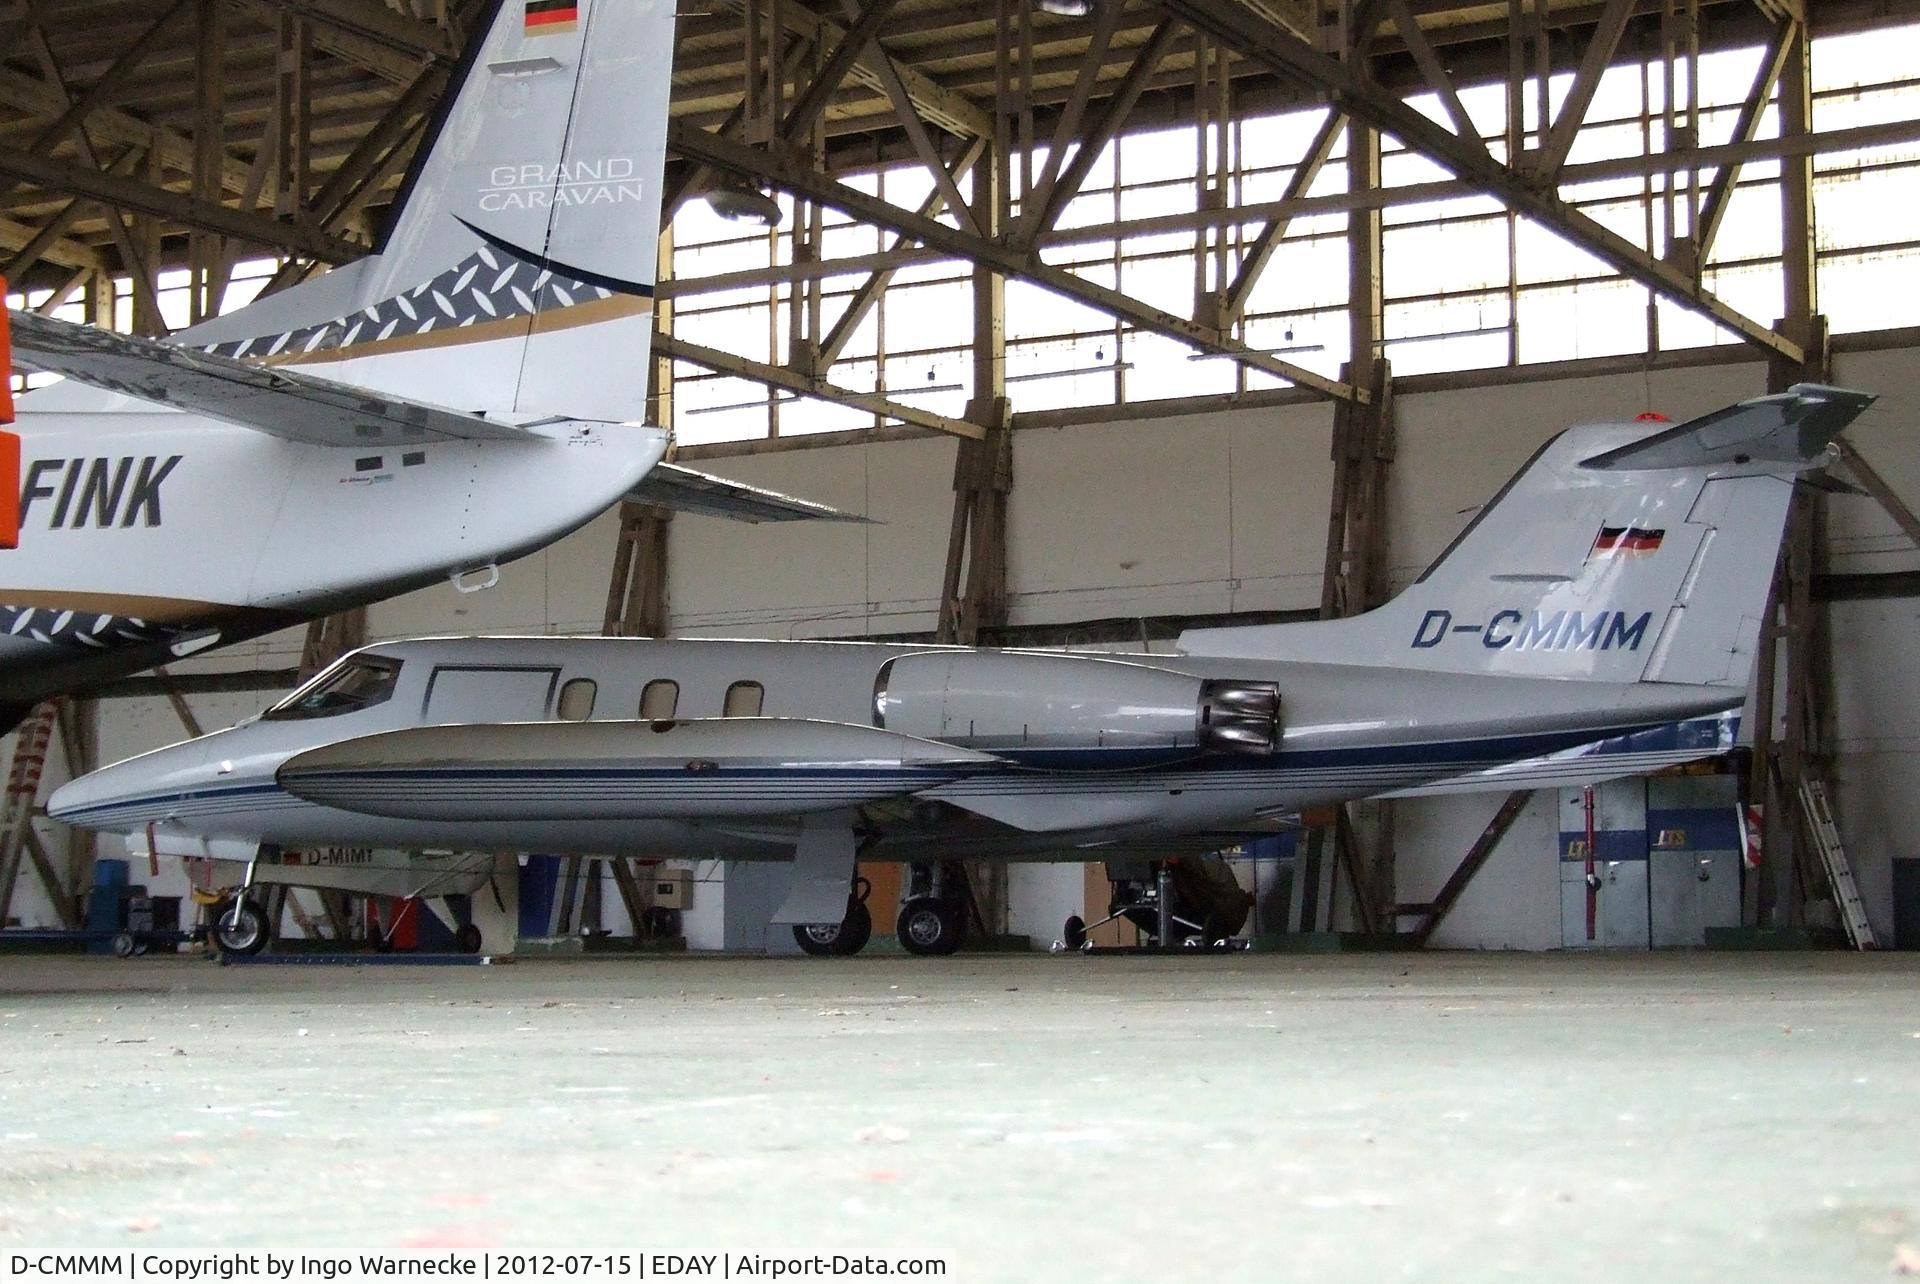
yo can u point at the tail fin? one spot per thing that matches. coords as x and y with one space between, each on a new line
518 274
1607 558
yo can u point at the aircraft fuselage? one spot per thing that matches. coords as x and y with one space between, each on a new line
1346 732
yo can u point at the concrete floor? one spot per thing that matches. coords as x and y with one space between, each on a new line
1360 1117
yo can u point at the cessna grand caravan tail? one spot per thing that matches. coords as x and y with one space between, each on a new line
1601 611
461 397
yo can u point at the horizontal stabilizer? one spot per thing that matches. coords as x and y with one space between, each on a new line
1793 427
694 769
281 403
687 491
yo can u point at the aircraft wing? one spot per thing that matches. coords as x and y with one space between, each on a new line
282 403
687 491
1589 764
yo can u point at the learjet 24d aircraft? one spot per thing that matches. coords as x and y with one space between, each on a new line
1612 589
457 399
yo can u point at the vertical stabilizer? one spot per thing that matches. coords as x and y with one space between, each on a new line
517 276
1613 556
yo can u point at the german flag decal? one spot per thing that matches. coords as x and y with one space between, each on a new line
1624 541
548 17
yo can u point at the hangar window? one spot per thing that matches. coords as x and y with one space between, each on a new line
576 700
359 683
659 699
744 700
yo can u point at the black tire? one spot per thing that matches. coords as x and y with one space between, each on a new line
931 928
467 940
856 929
240 928
847 937
1074 934
817 939
123 944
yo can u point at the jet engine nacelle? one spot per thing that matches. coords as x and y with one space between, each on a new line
996 700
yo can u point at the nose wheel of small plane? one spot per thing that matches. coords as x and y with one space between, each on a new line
847 937
241 927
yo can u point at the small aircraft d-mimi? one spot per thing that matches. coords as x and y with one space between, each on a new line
1612 589
455 400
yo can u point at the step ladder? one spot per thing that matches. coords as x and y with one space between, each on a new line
23 795
1833 857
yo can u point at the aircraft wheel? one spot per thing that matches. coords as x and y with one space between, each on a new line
856 929
846 937
241 928
817 939
1074 933
123 944
467 939
929 927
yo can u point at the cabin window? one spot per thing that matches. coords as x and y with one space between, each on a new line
659 699
576 700
744 700
357 683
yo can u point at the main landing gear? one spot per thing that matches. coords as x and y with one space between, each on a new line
847 937
935 909
1193 903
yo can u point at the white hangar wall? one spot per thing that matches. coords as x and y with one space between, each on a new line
1203 513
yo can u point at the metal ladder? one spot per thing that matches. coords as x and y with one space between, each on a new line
1833 857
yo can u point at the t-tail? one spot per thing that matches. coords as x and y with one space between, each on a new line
1612 557
517 274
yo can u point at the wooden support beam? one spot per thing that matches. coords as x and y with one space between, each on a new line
77 111
1471 864
1888 134
629 888
1747 124
109 126
141 198
1066 128
206 251
59 895
1434 73
49 241
853 45
1875 485
923 144
808 386
1601 44
861 301
951 111
637 589
792 175
181 709
1041 207
1257 35
1259 252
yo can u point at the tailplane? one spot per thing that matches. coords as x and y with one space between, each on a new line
517 275
1612 557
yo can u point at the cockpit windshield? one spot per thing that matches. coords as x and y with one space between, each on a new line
359 683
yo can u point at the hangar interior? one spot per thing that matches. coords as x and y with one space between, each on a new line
1112 322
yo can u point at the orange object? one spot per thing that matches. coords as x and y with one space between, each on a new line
9 490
